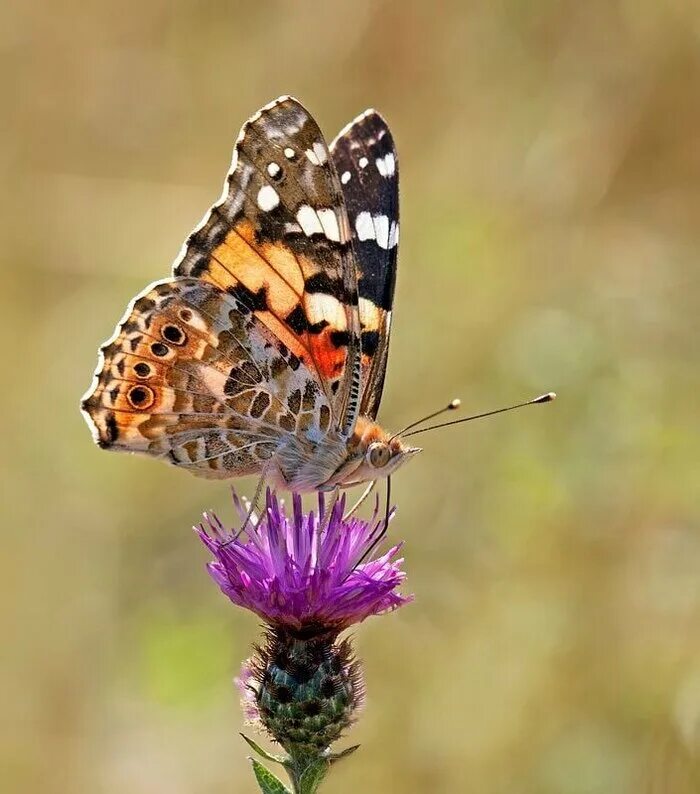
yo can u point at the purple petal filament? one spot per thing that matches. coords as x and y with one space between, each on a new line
297 572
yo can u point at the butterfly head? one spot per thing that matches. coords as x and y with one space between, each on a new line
374 453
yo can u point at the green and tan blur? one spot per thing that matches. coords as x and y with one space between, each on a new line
550 239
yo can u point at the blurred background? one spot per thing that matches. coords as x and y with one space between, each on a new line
550 172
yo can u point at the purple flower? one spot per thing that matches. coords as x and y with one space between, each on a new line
302 573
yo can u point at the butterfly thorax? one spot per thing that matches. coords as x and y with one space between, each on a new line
369 453
302 465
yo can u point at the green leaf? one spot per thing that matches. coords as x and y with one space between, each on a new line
269 784
277 759
333 757
312 776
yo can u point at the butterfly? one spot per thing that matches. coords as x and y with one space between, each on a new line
266 351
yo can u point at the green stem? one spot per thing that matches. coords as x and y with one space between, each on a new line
306 771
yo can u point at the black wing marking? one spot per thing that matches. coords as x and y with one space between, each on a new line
365 159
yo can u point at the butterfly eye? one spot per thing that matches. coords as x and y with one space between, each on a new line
378 455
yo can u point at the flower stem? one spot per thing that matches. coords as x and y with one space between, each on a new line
307 771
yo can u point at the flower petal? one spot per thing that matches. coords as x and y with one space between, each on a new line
295 570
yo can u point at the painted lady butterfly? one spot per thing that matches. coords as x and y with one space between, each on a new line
266 351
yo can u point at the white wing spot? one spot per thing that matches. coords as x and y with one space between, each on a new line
381 227
289 153
364 226
317 155
325 307
345 177
273 169
267 198
394 234
377 228
309 220
363 162
321 152
369 315
329 221
386 165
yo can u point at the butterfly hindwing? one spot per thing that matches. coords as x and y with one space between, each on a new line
279 242
365 159
192 375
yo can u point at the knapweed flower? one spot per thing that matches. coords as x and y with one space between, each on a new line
309 576
304 572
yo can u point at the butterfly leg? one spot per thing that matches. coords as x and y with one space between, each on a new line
328 510
368 490
384 527
253 505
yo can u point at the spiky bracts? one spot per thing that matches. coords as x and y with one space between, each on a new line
304 570
307 691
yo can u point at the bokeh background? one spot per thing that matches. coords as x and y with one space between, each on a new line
550 240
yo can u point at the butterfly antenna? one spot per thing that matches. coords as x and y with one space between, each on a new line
543 398
451 406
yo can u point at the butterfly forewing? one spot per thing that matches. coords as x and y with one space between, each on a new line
365 159
279 241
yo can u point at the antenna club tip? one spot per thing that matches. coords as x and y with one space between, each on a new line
547 398
454 404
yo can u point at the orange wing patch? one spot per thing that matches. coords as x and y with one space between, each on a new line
269 279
